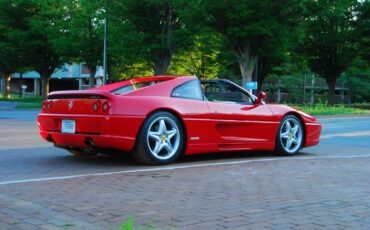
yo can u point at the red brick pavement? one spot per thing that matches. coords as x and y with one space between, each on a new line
286 194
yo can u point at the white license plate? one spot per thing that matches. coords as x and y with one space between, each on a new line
68 126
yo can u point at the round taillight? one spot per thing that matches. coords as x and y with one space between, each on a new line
49 105
96 106
44 105
105 107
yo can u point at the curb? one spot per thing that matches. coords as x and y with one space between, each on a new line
347 116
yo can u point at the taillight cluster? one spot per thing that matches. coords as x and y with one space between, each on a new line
105 106
47 105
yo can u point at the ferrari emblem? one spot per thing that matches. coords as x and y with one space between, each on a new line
70 105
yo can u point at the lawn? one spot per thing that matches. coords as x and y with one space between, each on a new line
25 102
25 99
325 109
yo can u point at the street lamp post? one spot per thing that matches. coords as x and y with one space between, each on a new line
105 46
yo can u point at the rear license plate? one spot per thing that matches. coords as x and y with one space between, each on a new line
68 126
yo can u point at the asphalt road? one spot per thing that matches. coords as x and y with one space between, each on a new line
24 155
25 159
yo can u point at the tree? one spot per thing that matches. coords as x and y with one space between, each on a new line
156 29
201 57
365 30
252 28
332 41
79 34
42 24
15 48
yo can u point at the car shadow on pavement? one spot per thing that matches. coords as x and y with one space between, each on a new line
126 159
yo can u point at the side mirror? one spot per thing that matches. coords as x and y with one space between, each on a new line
260 97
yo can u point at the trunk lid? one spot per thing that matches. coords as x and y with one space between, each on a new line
92 102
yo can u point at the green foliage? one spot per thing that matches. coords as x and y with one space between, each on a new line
151 31
357 78
364 20
325 109
200 59
29 106
78 33
252 29
25 99
332 41
207 38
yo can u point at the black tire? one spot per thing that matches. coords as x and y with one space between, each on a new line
142 152
281 145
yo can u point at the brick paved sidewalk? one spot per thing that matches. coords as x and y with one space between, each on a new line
285 194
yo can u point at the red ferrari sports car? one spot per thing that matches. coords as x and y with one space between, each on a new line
160 118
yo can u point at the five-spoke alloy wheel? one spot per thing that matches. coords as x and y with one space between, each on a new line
290 135
161 139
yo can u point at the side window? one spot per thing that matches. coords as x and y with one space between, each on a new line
225 92
124 89
189 90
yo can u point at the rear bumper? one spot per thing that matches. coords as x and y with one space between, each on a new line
106 131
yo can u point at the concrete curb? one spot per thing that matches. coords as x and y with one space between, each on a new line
347 116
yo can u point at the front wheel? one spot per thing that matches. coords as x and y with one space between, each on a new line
161 139
289 139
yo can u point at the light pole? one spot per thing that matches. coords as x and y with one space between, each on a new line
105 46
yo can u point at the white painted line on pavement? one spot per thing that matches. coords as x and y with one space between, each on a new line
167 168
351 134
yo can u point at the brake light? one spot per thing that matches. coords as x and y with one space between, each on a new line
106 107
96 106
47 105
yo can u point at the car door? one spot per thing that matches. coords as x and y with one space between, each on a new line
239 123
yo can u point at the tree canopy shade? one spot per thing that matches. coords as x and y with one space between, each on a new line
332 40
78 33
365 30
200 58
155 27
14 43
252 28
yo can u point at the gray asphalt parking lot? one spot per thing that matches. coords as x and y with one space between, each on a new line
326 186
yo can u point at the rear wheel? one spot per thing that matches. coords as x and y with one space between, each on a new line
290 135
161 139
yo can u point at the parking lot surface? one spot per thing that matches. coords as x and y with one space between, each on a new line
327 186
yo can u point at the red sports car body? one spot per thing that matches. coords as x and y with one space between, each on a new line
159 118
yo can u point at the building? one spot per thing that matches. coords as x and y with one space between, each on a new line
68 77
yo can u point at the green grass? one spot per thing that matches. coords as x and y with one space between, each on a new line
129 224
25 102
325 109
25 99
29 105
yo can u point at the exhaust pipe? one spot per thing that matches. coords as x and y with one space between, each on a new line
50 138
89 142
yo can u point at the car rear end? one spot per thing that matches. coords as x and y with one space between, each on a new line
84 119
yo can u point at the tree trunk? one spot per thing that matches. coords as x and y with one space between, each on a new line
331 85
162 60
20 84
7 85
247 62
92 70
45 85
